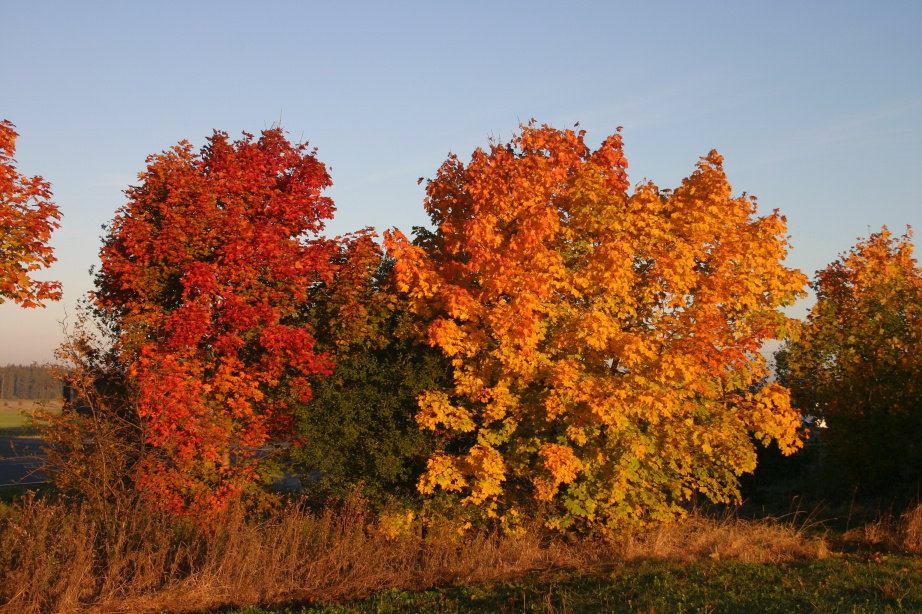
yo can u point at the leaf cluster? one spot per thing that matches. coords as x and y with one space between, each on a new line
27 218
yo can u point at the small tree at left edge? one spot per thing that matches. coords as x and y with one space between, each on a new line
27 218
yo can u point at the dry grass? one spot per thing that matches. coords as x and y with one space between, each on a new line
57 558
706 537
901 532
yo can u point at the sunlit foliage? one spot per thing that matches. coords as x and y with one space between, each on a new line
603 343
27 218
203 273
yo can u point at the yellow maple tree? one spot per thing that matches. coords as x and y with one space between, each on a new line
855 363
605 344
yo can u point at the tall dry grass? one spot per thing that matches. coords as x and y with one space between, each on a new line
57 557
891 531
702 536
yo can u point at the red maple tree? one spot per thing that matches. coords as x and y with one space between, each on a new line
204 274
27 218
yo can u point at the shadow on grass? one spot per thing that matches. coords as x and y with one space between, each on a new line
838 584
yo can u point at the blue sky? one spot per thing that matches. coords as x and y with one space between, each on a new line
816 106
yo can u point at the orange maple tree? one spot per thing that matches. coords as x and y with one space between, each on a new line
27 218
604 344
204 274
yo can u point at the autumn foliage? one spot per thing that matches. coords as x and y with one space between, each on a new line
205 274
855 362
604 344
27 218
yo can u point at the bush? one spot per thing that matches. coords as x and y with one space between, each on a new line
359 430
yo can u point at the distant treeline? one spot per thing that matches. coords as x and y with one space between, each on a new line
29 382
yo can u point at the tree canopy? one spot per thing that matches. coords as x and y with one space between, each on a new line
203 273
358 430
27 218
855 362
603 343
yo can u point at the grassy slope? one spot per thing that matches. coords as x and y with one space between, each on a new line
10 419
842 583
12 414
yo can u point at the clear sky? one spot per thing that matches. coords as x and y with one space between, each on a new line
816 106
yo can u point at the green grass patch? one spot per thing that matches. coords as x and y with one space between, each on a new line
10 418
855 583
16 414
